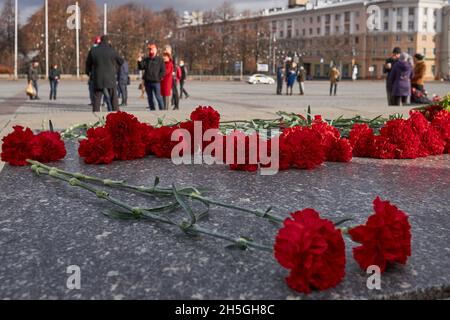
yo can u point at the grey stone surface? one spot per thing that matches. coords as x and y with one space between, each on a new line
45 226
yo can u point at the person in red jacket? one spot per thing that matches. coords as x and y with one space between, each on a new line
167 81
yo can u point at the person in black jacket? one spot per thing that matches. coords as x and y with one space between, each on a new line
53 77
154 71
388 66
103 63
183 79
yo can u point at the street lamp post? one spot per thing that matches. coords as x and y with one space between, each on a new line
105 18
77 32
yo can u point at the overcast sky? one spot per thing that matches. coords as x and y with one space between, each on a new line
27 7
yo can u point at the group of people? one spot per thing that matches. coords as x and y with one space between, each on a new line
290 74
109 76
405 78
33 78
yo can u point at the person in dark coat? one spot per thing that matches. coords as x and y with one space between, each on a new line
103 61
400 80
33 77
388 66
280 72
54 76
183 79
123 80
154 72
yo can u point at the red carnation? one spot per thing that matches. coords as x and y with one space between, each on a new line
162 143
306 147
251 149
147 132
209 117
313 249
18 146
125 132
361 139
98 147
382 148
329 135
48 147
441 122
340 151
400 133
385 238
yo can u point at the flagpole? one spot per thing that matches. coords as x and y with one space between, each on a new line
46 40
105 18
77 32
16 38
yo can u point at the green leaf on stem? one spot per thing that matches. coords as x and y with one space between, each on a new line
122 215
185 206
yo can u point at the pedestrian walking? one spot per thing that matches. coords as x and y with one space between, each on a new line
96 41
54 76
167 80
388 66
176 80
183 79
400 80
280 73
103 63
123 81
335 75
355 73
291 77
33 77
301 76
154 71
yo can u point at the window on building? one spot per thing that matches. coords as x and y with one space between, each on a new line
399 25
327 18
385 51
347 16
310 19
281 34
327 30
411 11
399 12
434 51
357 14
337 29
297 32
435 12
433 69
398 38
357 27
424 38
304 32
318 18
410 51
338 17
318 31
411 38
386 26
385 39
386 12
289 34
425 11
310 31
411 25
356 40
424 51
434 26
425 25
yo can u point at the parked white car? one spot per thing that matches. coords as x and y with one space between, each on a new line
260 78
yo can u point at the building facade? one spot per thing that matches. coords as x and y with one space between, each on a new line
349 33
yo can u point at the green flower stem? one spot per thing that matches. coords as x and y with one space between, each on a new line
139 213
160 191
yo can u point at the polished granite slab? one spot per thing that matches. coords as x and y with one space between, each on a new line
46 226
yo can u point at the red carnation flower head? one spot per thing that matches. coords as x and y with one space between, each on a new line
209 117
98 147
340 151
48 147
162 144
18 146
147 132
385 238
329 134
431 142
382 148
250 146
407 142
441 123
306 147
312 249
361 139
125 131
